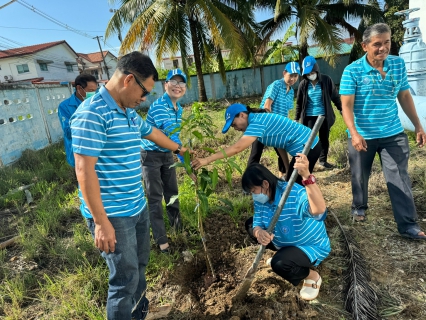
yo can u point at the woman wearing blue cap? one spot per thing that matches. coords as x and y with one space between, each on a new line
160 180
314 96
278 98
273 130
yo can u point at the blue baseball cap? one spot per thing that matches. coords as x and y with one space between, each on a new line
308 64
292 67
176 72
230 114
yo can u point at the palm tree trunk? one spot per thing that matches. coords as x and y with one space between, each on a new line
303 52
202 96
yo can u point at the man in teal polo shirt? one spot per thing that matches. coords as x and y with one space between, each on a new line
106 139
369 88
85 84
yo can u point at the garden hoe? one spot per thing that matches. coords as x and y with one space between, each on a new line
249 277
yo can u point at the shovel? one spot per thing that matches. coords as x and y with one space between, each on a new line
249 277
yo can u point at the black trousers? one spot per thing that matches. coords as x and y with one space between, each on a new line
323 134
256 153
290 263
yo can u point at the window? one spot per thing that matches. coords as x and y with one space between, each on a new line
0 67
190 61
176 63
43 66
22 68
95 74
69 68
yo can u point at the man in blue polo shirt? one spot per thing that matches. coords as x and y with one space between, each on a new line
159 177
85 84
278 98
369 88
106 138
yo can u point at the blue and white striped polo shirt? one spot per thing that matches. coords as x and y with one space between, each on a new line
315 106
296 226
375 108
100 128
163 116
282 100
277 131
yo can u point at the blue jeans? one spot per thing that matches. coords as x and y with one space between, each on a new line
127 283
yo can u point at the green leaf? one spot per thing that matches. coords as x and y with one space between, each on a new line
209 149
203 201
214 178
173 199
177 164
228 203
198 135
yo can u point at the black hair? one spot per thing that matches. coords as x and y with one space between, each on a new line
139 63
83 79
251 110
254 176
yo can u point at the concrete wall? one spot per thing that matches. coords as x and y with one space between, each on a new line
29 118
29 113
244 82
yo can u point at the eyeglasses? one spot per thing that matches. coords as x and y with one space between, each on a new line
145 92
175 83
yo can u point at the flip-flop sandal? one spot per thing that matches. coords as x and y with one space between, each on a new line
413 234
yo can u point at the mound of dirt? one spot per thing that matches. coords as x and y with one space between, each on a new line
197 296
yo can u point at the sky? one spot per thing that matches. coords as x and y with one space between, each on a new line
20 26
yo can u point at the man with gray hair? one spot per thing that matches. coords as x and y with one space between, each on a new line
106 134
369 88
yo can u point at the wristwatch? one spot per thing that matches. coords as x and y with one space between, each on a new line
311 180
177 151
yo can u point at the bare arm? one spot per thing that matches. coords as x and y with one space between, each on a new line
268 105
315 198
163 141
240 145
358 141
90 189
407 104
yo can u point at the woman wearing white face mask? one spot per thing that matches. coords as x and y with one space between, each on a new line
314 96
299 237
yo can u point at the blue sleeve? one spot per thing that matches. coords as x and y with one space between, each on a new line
88 132
64 114
347 82
303 207
144 128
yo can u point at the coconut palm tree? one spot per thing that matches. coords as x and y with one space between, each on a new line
200 27
318 21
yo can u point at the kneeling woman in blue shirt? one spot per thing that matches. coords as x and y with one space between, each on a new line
299 237
273 130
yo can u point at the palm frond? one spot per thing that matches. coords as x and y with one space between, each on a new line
360 298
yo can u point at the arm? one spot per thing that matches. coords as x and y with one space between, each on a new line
161 139
407 104
316 200
64 115
90 189
240 145
348 116
299 101
268 105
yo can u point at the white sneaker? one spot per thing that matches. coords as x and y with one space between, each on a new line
310 289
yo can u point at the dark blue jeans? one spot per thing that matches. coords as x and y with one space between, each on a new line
127 283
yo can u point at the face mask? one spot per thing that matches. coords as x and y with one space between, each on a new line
261 197
89 94
312 77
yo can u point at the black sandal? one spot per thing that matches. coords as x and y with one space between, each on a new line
413 234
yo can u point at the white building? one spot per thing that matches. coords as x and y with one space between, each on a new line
93 64
53 61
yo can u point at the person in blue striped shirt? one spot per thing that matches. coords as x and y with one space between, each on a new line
278 98
369 88
314 96
299 238
106 138
160 180
273 130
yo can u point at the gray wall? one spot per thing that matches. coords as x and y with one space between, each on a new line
29 113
